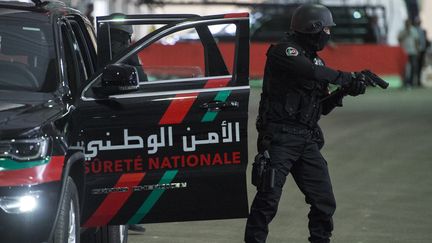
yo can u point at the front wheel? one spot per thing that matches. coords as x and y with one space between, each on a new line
68 227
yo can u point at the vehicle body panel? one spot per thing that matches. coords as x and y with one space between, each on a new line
148 134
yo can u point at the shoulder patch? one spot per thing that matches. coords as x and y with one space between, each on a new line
291 52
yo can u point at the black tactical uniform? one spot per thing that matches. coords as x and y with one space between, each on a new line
295 84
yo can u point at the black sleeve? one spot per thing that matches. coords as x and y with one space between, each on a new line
303 67
329 104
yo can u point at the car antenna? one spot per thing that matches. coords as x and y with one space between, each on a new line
39 3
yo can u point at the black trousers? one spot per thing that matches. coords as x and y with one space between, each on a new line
420 64
295 151
411 70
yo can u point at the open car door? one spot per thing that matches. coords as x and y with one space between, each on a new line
174 148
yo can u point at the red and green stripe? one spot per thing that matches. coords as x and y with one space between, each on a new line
209 116
178 108
7 164
114 201
13 173
222 96
182 103
152 199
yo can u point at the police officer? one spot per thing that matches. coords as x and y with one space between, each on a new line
121 35
295 95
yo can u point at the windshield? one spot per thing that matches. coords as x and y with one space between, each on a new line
27 56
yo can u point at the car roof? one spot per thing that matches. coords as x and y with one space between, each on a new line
42 13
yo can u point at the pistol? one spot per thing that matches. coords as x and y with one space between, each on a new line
373 80
370 79
263 176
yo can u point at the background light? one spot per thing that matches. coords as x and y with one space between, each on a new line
357 15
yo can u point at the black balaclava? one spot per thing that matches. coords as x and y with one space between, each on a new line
120 40
314 42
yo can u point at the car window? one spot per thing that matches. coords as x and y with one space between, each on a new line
83 46
161 66
27 56
89 34
162 60
75 65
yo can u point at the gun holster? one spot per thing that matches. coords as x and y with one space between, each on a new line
263 176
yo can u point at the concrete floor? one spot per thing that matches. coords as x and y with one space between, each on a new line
379 149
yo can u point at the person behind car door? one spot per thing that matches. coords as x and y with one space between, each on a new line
295 83
121 35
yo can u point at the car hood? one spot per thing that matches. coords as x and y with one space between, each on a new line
22 111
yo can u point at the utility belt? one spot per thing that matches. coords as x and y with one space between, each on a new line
295 129
315 132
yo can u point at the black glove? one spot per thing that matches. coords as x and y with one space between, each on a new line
358 84
353 83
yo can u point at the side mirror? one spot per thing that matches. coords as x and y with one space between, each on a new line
118 79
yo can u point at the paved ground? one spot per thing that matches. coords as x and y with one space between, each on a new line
379 149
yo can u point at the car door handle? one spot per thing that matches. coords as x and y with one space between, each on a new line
219 105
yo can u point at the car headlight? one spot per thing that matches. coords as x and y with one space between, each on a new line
19 204
24 149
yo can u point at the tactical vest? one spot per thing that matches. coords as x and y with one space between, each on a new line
289 98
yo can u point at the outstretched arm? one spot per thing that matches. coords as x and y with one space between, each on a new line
289 59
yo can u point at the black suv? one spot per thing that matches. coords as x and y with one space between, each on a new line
89 145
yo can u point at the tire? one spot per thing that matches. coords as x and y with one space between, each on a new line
107 234
68 221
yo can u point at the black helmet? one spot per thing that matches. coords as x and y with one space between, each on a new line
119 25
311 18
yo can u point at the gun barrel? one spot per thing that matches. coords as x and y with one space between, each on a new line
376 79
